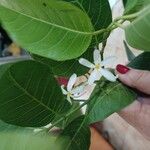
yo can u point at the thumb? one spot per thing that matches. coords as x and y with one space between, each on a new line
138 79
137 114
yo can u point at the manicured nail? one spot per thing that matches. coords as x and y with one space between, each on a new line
122 69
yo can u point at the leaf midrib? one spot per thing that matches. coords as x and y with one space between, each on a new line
49 23
76 133
28 94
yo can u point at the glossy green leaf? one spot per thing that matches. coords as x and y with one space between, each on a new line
129 53
110 98
77 135
29 95
49 28
25 141
100 14
141 62
138 32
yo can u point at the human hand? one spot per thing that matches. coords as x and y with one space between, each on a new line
138 113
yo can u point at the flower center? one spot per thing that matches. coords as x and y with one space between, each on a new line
69 94
97 66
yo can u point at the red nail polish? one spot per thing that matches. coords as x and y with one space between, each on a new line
122 69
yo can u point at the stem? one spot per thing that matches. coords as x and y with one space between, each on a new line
127 17
114 26
111 26
67 115
99 32
119 25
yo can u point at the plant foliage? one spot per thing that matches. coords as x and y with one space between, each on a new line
60 35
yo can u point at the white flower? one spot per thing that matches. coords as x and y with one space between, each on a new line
98 70
72 92
100 46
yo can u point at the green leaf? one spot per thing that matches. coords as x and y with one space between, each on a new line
100 14
133 6
4 127
110 98
66 68
19 138
77 135
29 95
75 115
69 119
3 68
129 53
138 32
7 128
25 141
54 29
141 62
125 2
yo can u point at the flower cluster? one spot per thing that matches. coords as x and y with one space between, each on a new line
72 92
98 69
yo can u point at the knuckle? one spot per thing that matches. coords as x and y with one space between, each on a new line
137 80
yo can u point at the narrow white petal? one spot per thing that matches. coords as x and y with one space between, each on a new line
97 56
69 99
78 90
108 75
71 82
100 46
63 90
86 63
95 75
108 60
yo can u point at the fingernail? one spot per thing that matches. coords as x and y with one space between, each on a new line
122 69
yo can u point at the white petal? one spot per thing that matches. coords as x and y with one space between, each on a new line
63 90
86 63
108 60
69 99
97 56
100 46
95 75
71 82
108 75
78 90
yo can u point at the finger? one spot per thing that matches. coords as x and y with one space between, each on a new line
134 78
137 114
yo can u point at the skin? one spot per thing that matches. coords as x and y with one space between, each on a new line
138 113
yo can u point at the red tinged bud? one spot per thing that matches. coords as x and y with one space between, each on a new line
62 81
